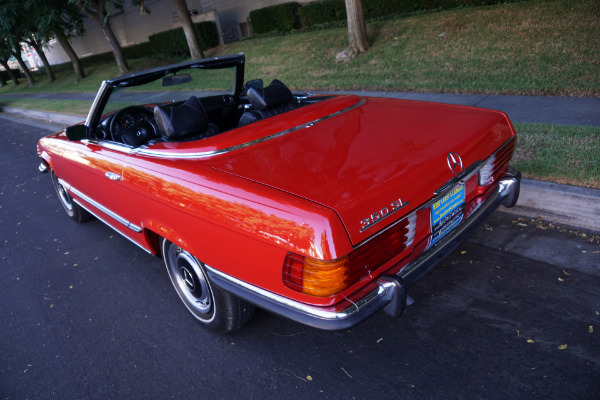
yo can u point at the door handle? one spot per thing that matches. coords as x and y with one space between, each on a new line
112 176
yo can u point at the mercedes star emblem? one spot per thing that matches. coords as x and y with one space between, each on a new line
455 163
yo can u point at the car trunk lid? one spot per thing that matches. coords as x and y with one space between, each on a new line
373 157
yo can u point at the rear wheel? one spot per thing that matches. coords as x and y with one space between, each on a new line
215 308
74 210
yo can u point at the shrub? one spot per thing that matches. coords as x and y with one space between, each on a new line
138 50
173 41
327 11
170 42
134 51
322 12
6 77
95 59
207 32
279 18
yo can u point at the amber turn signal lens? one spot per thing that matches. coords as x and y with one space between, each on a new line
315 277
324 278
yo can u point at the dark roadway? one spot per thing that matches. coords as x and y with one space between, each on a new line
85 314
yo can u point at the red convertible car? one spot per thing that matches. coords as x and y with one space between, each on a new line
322 209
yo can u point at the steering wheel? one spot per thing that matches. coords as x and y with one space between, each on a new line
126 126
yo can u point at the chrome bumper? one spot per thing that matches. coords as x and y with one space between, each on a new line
390 292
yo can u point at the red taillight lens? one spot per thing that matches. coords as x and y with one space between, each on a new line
323 278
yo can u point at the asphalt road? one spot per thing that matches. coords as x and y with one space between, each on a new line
85 314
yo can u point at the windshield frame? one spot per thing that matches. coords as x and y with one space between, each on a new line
236 61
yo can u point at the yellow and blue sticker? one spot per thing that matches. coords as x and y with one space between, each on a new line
447 213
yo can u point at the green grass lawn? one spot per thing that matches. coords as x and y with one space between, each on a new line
532 47
558 153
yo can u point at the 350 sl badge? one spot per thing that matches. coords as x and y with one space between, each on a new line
381 214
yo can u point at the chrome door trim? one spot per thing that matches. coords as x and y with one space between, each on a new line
100 207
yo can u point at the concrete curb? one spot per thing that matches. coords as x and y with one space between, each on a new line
562 204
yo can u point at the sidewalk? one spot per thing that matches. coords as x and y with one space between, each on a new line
563 204
537 109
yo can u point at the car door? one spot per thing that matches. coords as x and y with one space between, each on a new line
93 174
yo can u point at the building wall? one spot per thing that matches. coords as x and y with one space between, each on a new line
131 27
232 13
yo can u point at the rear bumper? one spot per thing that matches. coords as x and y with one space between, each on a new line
389 293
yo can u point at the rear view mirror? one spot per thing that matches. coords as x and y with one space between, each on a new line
76 132
172 80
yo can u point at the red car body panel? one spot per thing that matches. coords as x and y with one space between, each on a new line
300 182
372 155
284 194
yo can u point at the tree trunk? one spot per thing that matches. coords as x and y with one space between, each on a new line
109 35
189 30
10 72
64 43
47 67
26 71
357 31
115 46
2 80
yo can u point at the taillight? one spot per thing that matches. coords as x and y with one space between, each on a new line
323 278
315 277
411 229
496 163
486 172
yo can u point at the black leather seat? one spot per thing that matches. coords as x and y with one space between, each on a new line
268 101
185 122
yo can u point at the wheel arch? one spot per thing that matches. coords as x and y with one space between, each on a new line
153 240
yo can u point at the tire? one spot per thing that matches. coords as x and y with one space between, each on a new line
74 210
216 309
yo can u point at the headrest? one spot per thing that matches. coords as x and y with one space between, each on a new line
178 122
270 96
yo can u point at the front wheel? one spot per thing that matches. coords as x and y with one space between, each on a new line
215 308
74 210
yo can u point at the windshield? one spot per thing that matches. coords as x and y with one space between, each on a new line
200 83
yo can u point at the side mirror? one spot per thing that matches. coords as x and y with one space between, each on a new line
76 132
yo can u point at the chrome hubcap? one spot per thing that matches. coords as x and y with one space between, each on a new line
64 197
190 281
187 277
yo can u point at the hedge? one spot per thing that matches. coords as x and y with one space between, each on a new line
6 77
208 34
173 41
135 51
327 11
279 18
322 12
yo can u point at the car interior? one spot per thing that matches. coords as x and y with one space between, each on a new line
195 119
